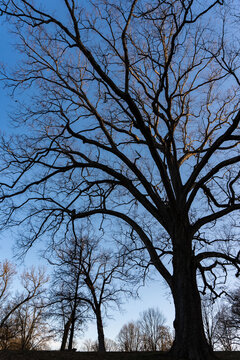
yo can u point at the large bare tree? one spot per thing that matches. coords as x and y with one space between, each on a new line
132 110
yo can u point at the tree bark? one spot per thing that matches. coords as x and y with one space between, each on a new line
190 341
101 341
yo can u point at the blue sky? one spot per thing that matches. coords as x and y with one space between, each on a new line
152 295
6 56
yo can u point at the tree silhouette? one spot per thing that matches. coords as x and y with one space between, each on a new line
129 337
148 333
64 305
133 115
22 313
92 279
155 335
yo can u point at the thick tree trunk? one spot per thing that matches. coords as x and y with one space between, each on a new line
190 342
101 341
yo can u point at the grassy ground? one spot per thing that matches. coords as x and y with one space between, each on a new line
56 355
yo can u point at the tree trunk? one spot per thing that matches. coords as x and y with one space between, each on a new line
190 342
73 315
101 341
70 341
65 335
73 320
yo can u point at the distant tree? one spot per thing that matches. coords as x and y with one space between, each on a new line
130 114
98 278
129 337
210 322
7 272
8 335
149 333
90 345
234 301
21 320
155 335
111 345
31 329
227 335
166 340
64 305
32 282
221 325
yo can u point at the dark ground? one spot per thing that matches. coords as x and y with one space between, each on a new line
56 355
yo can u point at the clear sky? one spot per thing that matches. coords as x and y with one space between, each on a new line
152 295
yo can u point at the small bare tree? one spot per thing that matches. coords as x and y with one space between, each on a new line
227 335
155 335
31 329
111 345
64 304
90 345
20 312
99 277
210 321
149 333
129 337
221 325
234 302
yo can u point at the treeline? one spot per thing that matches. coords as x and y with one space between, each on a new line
87 279
148 333
85 282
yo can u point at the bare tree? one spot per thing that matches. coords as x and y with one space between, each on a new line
33 282
98 277
31 329
146 334
135 117
111 345
221 326
155 335
227 335
67 312
7 272
234 301
210 321
90 345
64 304
20 313
129 337
166 339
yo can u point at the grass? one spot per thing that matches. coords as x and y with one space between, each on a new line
57 355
